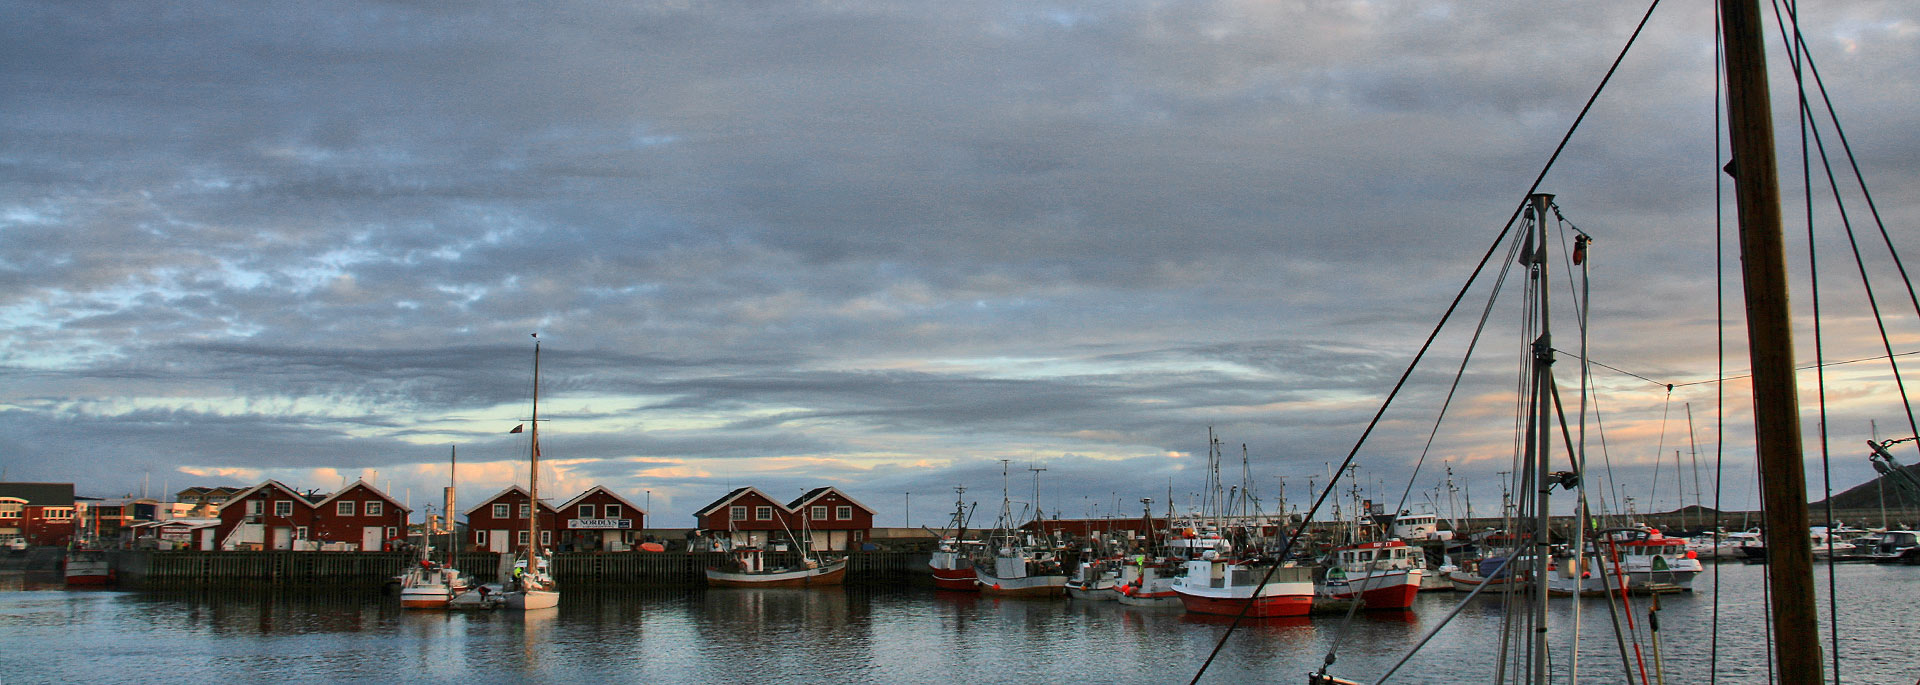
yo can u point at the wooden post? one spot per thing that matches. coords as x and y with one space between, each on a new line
1776 398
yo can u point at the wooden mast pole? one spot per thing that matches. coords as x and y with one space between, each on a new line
533 471
1776 402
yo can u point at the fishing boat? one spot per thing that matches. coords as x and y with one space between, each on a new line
748 568
429 584
1016 564
1491 572
1094 579
952 561
1230 587
85 565
1634 560
1385 574
529 585
1148 582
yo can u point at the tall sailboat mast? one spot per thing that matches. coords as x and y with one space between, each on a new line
533 468
1776 397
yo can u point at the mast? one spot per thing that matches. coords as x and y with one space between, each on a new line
1776 401
453 463
1540 436
533 468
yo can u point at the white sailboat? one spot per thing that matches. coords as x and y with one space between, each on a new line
530 583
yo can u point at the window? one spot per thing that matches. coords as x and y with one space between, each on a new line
526 511
480 537
283 508
343 507
763 513
11 510
819 513
501 511
300 533
391 533
738 513
613 511
60 513
586 511
373 508
254 506
520 538
546 537
843 513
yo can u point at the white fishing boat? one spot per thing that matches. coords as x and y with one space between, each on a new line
1384 574
1230 587
85 565
1093 580
1148 582
1633 560
748 568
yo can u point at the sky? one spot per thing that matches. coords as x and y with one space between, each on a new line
895 247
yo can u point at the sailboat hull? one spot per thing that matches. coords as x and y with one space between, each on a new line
527 600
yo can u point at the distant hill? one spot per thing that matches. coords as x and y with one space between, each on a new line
1867 495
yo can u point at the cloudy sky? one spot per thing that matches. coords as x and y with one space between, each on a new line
883 245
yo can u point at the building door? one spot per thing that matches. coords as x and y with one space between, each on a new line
370 538
282 537
497 541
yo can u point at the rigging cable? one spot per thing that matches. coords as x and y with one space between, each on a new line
1447 315
1719 333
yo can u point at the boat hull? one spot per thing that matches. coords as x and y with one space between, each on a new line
424 600
1383 591
955 579
1092 592
1267 606
831 574
1030 586
527 600
87 572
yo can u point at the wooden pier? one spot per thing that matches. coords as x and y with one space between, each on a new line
176 568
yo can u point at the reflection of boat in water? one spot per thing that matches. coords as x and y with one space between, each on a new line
86 566
749 569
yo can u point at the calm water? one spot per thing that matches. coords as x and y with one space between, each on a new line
49 634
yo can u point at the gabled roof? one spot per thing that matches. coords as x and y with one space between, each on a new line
601 488
40 494
358 483
737 494
817 493
511 488
243 494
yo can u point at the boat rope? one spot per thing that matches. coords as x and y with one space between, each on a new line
1427 345
1719 333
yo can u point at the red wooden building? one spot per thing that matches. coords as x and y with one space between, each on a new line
599 520
266 516
360 515
39 513
748 517
834 520
499 523
745 517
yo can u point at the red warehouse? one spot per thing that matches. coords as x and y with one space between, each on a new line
599 520
499 523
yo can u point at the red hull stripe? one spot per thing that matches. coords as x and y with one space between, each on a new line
1265 607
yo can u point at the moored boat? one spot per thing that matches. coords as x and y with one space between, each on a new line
86 566
1226 587
1383 575
1093 580
1017 573
430 586
1148 582
952 561
750 570
1638 560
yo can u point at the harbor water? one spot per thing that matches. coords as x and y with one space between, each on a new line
50 634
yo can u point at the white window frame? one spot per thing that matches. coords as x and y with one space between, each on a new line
299 532
255 507
391 534
345 507
526 511
546 538
480 538
737 513
818 513
612 511
283 508
585 511
502 511
843 513
763 513
373 508
520 538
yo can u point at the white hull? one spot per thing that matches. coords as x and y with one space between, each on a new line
529 600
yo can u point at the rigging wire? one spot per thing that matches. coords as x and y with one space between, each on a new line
1719 331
